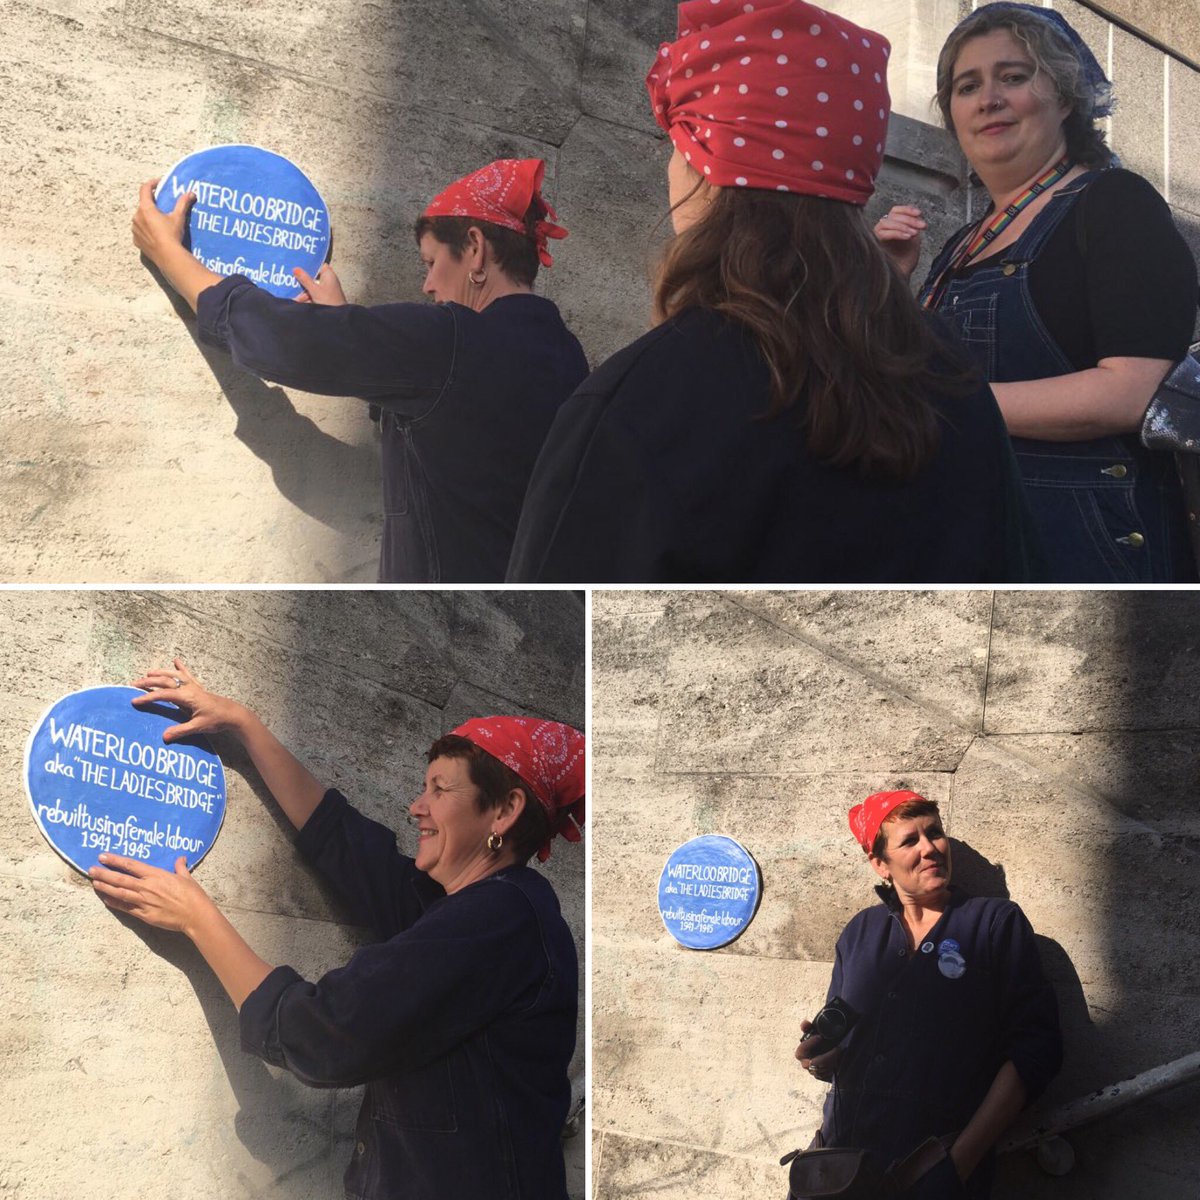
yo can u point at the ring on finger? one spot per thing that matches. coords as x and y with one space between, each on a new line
177 681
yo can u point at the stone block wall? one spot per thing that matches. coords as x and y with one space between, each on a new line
1056 730
121 1065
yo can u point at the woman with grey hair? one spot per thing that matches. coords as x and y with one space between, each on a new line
1074 292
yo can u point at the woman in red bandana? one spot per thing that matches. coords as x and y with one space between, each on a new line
956 1026
460 1016
466 387
792 417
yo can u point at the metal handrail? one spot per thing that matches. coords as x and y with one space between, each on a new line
1039 1127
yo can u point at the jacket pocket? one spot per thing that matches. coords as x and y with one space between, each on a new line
421 1099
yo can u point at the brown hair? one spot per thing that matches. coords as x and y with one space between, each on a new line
842 336
494 781
1053 56
910 808
516 254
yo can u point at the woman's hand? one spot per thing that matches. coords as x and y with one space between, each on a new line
177 902
155 232
326 288
206 712
160 898
899 233
159 236
823 1066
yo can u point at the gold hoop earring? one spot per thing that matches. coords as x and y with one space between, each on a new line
481 280
495 841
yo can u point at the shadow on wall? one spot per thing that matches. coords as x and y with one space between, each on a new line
267 1102
976 874
1121 754
320 474
1149 872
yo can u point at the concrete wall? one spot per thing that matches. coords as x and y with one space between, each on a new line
136 455
1058 732
121 1069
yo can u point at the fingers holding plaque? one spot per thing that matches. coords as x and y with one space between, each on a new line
256 214
101 779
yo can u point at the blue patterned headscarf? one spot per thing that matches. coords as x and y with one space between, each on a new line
1097 82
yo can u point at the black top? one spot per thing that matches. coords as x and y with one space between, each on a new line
460 1020
936 1026
1141 291
467 399
659 469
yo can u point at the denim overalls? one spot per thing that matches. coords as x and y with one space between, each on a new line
1107 510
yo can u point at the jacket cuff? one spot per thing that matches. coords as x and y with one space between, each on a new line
258 1020
212 310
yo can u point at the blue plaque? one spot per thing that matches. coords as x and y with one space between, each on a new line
256 214
708 892
101 780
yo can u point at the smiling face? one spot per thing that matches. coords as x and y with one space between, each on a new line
446 277
917 858
451 831
1006 113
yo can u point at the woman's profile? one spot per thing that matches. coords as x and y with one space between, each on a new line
466 387
460 1015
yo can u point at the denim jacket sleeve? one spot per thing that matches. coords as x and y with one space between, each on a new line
380 886
398 355
474 957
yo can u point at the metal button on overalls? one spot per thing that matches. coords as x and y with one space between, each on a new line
1133 539
1117 471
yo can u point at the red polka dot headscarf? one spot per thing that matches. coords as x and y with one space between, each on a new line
549 756
775 94
502 193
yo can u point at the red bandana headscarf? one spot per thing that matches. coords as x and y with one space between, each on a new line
775 94
548 756
866 818
501 193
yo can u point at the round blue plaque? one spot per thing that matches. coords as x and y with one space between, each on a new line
101 780
256 214
708 892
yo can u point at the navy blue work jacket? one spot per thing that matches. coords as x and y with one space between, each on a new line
467 399
460 1020
936 1026
661 469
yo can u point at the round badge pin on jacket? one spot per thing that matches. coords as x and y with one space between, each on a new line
256 214
101 780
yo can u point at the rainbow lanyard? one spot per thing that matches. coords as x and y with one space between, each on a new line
987 233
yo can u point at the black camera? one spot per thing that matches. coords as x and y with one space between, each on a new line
829 1026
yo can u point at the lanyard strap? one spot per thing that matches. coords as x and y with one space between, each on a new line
990 229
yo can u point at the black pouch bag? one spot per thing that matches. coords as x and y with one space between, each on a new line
840 1172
